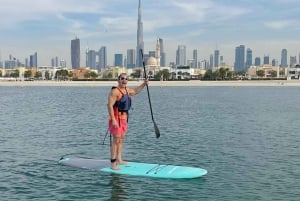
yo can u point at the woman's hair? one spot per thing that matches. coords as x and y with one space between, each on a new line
121 75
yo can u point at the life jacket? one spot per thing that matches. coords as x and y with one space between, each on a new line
124 103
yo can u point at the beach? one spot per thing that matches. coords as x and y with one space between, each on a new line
234 83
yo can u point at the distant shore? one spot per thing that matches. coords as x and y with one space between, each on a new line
199 83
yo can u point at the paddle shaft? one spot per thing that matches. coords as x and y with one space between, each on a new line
157 132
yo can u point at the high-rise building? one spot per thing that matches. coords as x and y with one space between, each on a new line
204 64
140 42
248 58
54 62
131 58
181 55
195 58
33 60
257 61
274 62
118 60
75 53
63 63
239 64
266 59
157 52
216 58
162 53
26 62
152 54
211 61
102 57
284 62
293 61
91 59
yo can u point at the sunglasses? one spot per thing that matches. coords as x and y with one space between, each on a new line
123 78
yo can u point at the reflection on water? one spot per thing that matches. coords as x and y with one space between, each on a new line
118 188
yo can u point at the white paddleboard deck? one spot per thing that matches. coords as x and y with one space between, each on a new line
137 169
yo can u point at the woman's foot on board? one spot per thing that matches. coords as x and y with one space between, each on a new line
114 165
121 162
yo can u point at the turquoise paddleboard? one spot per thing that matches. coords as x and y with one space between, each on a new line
136 169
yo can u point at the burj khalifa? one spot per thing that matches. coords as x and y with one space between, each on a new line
140 42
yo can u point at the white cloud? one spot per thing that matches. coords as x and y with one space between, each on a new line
281 24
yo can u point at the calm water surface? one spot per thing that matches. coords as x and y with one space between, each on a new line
246 137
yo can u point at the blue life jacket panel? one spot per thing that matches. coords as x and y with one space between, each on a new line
124 103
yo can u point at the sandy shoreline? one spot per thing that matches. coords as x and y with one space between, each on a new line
156 83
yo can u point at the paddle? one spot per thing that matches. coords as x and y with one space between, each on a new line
157 132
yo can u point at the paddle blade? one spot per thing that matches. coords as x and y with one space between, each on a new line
157 132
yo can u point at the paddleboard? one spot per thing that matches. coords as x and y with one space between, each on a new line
136 168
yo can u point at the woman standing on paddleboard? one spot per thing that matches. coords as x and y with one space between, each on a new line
119 103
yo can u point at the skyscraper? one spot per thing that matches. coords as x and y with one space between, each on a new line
216 58
211 61
293 61
157 52
162 53
140 42
131 58
118 59
239 64
195 58
181 55
102 57
75 53
257 61
248 58
91 59
33 60
266 59
284 58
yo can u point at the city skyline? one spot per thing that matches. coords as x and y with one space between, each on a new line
48 27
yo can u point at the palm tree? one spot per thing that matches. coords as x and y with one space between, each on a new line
222 72
208 75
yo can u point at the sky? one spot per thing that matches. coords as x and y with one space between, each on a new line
48 26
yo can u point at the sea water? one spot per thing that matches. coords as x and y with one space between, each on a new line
246 137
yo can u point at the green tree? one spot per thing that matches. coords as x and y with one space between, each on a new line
260 73
150 74
38 74
162 74
208 75
61 74
93 75
87 74
15 73
47 75
137 73
70 75
217 74
27 74
109 75
223 73
273 73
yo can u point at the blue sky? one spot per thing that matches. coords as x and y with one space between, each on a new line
47 27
